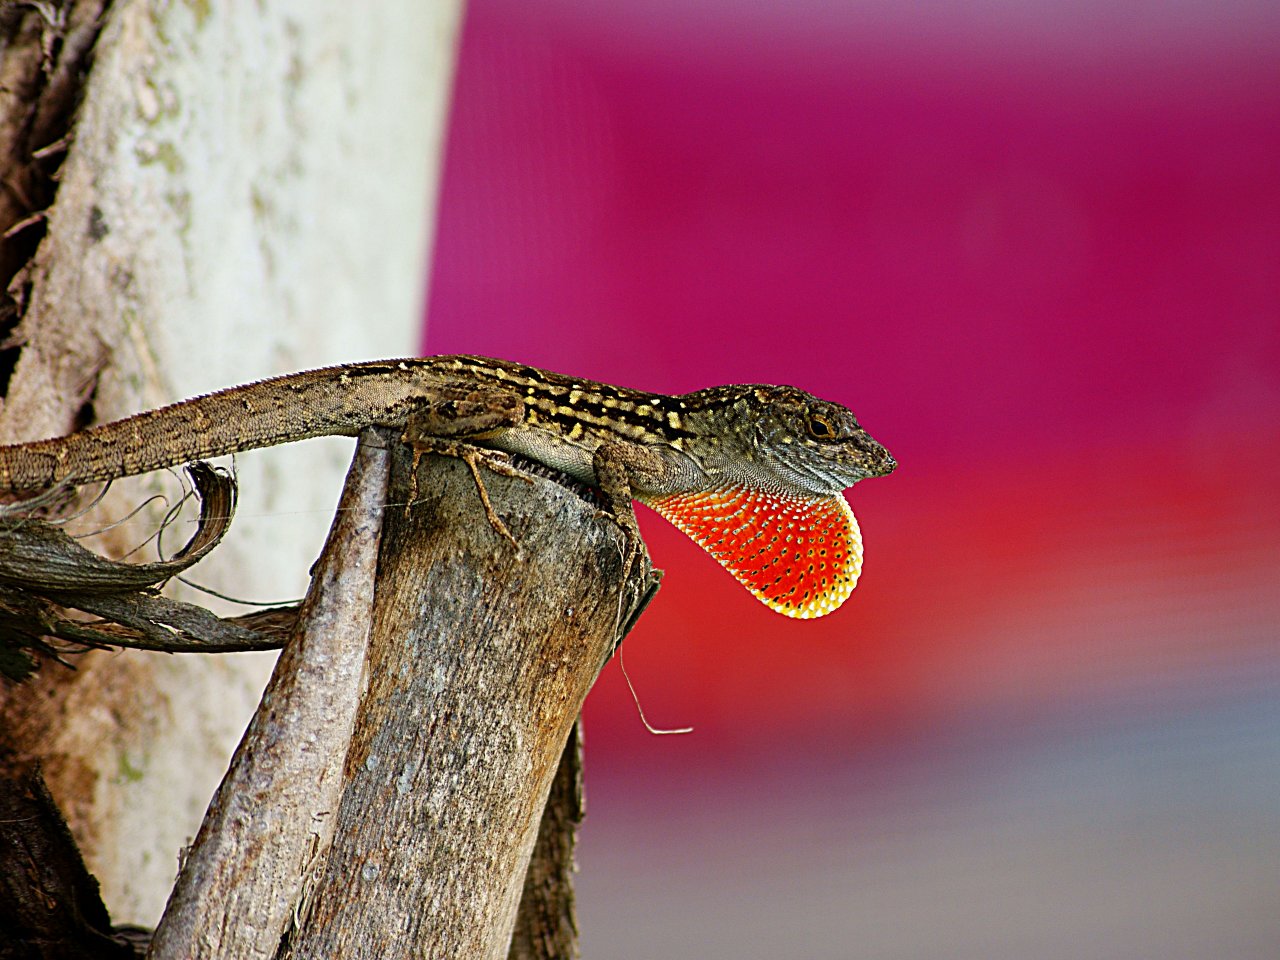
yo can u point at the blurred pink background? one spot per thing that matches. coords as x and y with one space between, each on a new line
1036 248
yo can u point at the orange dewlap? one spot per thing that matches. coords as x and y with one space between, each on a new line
799 555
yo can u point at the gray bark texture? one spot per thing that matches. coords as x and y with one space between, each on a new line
272 817
547 924
480 658
424 710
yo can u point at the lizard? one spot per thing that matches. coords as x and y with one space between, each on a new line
753 473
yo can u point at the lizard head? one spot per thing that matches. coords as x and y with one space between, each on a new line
783 436
768 502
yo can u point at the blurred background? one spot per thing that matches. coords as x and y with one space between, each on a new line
1036 248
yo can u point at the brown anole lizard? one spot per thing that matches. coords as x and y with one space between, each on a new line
752 473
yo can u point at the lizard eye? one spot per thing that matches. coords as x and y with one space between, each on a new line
820 427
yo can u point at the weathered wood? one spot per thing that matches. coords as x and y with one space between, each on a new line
195 213
44 55
480 658
49 905
547 922
273 816
46 575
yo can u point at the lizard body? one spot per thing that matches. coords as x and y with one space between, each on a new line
753 473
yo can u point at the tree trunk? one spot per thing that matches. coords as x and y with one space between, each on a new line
480 658
272 817
244 193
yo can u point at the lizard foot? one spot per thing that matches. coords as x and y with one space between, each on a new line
474 457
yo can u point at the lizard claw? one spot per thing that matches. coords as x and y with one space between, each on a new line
473 458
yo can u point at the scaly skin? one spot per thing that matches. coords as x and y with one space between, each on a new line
753 473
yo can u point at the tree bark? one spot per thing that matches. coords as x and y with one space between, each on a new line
480 658
489 635
195 211
547 924
273 816
243 193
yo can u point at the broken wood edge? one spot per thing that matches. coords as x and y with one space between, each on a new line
272 818
43 572
480 658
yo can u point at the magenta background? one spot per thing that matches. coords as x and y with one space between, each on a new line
1038 252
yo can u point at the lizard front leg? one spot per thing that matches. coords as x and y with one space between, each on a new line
454 416
619 468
